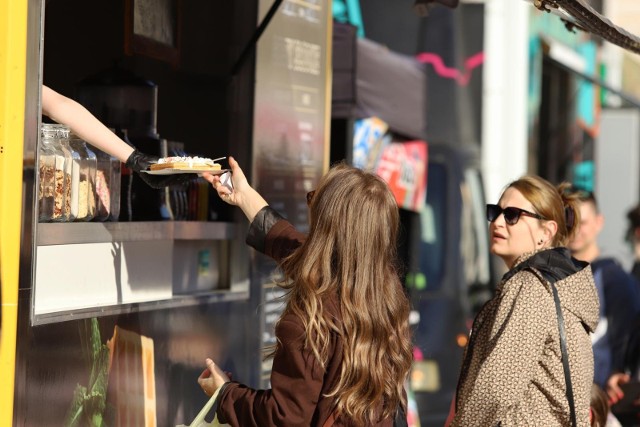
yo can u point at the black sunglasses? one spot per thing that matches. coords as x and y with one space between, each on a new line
310 197
511 215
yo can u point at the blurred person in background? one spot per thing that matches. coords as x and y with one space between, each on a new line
633 237
600 410
513 372
629 415
619 299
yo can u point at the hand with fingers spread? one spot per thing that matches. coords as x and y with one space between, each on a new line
613 389
212 378
242 195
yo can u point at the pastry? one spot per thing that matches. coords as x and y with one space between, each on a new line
185 163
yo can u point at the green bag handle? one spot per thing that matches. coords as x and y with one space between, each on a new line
199 420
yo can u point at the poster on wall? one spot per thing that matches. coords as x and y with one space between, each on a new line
404 167
291 125
370 140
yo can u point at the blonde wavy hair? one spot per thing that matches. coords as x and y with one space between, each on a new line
351 252
555 203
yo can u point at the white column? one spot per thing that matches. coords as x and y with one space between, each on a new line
505 94
617 156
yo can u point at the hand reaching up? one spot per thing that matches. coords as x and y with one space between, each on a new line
241 194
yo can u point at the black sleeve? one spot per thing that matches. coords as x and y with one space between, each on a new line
260 226
621 299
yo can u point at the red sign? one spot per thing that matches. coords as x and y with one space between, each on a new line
404 167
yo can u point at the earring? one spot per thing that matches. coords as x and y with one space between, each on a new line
540 242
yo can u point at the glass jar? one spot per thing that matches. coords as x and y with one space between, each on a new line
103 185
107 187
116 170
46 177
86 179
55 178
72 171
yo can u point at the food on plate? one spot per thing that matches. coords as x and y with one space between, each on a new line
182 163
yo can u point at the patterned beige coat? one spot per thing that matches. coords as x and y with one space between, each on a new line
512 371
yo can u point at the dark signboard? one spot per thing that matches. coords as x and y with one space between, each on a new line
290 124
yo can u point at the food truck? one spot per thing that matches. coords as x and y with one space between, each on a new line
107 320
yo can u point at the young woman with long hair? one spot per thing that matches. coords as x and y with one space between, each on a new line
344 348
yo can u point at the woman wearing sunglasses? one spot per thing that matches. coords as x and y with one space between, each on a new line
343 342
513 373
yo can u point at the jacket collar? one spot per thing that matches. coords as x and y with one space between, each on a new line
556 263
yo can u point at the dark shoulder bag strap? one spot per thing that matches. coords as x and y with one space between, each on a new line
565 355
563 341
399 421
401 417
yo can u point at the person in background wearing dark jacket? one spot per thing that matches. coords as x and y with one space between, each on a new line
633 237
343 347
512 372
619 300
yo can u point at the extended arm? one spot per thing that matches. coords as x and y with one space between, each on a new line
84 124
269 233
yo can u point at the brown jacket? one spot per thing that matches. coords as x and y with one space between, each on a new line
298 383
512 372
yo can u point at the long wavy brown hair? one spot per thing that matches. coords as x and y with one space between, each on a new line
351 251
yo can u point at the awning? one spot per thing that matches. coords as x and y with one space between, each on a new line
580 15
369 80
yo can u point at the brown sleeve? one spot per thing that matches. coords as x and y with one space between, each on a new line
296 384
282 240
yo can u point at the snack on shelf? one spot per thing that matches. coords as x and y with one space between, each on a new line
197 163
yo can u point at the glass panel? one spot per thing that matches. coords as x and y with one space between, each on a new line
433 227
474 240
474 248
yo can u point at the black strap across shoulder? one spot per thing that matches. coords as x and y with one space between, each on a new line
563 345
401 418
565 355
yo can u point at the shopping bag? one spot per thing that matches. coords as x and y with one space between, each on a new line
199 420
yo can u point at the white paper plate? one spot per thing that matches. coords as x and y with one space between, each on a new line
170 171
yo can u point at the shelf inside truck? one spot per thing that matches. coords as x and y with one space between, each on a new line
99 232
95 269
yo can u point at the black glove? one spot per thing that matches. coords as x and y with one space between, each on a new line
140 162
